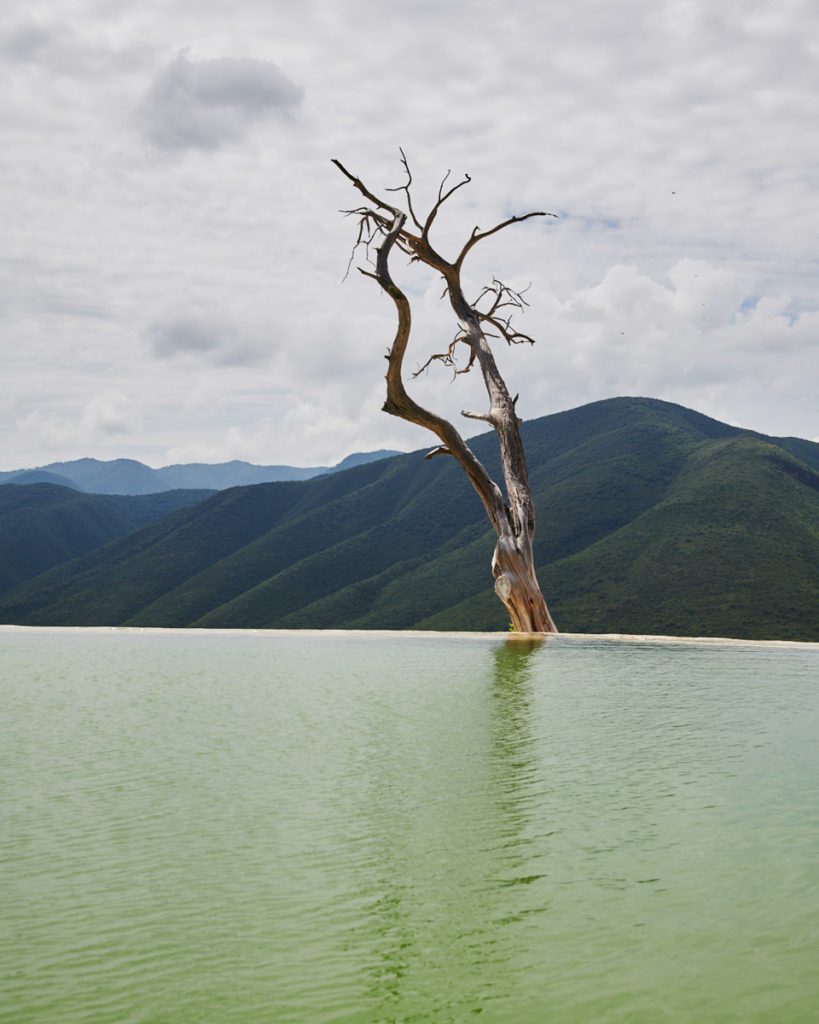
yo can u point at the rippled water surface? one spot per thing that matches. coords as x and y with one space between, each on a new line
259 828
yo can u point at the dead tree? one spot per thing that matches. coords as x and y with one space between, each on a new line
386 227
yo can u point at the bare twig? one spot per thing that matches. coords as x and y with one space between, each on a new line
370 224
442 198
478 235
503 297
448 357
406 189
362 188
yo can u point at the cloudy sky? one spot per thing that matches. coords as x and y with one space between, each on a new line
172 254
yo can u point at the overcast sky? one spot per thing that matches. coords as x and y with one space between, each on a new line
172 254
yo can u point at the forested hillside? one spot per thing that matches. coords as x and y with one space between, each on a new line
651 518
42 525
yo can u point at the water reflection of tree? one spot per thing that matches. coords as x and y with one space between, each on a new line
434 925
516 769
512 706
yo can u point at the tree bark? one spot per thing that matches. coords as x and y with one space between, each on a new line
512 516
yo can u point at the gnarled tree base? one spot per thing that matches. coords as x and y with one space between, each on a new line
517 586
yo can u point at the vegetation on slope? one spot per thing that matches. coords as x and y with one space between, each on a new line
42 524
651 518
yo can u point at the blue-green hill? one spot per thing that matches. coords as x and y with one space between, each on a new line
651 518
43 525
39 476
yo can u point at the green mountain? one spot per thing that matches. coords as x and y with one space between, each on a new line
127 476
651 518
42 525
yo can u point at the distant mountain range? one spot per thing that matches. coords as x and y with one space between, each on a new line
127 476
652 518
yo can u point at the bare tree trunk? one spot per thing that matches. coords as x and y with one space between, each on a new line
513 516
517 586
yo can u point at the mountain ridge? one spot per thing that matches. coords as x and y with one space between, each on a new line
131 477
652 518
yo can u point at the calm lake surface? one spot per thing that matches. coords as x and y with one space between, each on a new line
315 828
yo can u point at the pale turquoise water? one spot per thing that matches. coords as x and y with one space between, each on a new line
201 828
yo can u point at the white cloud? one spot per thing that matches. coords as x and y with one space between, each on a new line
109 414
693 339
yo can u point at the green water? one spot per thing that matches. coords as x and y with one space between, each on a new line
201 828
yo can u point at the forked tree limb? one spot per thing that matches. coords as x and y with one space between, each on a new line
478 235
405 188
398 402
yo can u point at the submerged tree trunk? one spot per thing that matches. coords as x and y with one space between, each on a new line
513 515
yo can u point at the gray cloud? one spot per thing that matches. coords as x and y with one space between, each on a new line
205 104
209 337
182 335
59 48
27 41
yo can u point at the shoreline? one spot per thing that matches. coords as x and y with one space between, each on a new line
644 638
